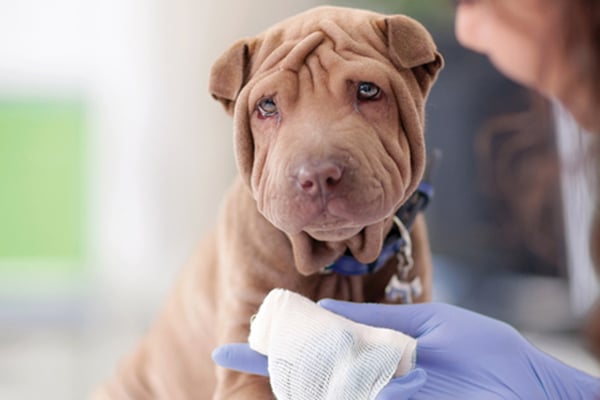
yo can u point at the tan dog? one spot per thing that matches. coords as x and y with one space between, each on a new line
328 112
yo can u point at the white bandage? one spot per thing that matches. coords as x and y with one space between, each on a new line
315 354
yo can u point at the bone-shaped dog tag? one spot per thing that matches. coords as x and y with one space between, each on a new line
399 291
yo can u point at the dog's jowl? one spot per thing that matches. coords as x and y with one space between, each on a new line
328 127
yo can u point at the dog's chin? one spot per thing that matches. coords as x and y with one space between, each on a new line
326 224
333 234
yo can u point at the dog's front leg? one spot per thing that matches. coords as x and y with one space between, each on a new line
234 385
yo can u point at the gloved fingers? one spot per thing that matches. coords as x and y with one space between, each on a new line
404 387
240 357
408 319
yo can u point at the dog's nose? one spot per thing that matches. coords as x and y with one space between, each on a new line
320 178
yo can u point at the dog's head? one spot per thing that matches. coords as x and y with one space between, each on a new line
328 114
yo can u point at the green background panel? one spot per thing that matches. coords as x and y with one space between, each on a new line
41 181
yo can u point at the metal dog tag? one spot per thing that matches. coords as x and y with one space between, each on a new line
398 291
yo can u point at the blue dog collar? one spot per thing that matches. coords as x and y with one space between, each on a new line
348 265
394 243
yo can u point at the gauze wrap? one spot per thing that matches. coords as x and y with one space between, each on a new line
315 354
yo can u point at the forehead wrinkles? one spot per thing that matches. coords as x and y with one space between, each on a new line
291 52
297 57
365 42
323 51
319 69
325 73
324 57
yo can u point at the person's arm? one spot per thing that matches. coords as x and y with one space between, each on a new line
461 354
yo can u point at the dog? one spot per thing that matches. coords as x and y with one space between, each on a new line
328 112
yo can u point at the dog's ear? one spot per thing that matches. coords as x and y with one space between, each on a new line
412 47
230 73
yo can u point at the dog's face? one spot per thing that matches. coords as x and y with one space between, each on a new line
329 154
328 111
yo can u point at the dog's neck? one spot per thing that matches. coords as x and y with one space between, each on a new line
366 247
312 256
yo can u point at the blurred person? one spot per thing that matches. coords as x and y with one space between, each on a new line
552 46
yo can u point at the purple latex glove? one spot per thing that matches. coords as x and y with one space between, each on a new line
469 356
240 357
465 356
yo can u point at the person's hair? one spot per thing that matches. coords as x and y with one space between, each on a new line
577 39
519 172
581 18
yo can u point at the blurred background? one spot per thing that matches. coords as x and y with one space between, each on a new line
113 160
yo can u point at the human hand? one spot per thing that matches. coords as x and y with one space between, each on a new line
472 357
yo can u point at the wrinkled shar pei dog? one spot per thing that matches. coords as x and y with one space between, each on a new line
328 114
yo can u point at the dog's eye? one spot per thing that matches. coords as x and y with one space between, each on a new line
267 107
368 91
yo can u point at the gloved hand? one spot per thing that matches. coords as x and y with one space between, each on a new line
465 355
469 356
241 357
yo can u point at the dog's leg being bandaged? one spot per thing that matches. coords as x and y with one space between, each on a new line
315 354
